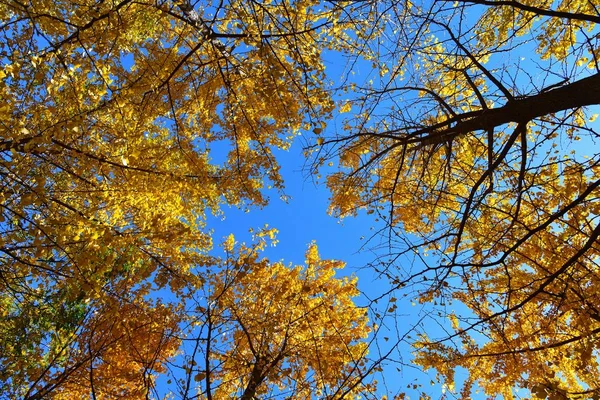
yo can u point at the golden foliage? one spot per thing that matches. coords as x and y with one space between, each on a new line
478 154
265 328
123 125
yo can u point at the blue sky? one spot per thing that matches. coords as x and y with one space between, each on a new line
300 214
303 218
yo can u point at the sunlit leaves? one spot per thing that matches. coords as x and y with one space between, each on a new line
268 328
479 158
123 125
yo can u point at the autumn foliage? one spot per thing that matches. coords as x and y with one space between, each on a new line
111 113
125 124
268 329
476 148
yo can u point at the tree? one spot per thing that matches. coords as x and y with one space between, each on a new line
266 330
114 115
476 147
248 328
64 343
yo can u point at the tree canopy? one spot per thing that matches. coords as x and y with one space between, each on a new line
114 116
126 124
477 148
269 329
